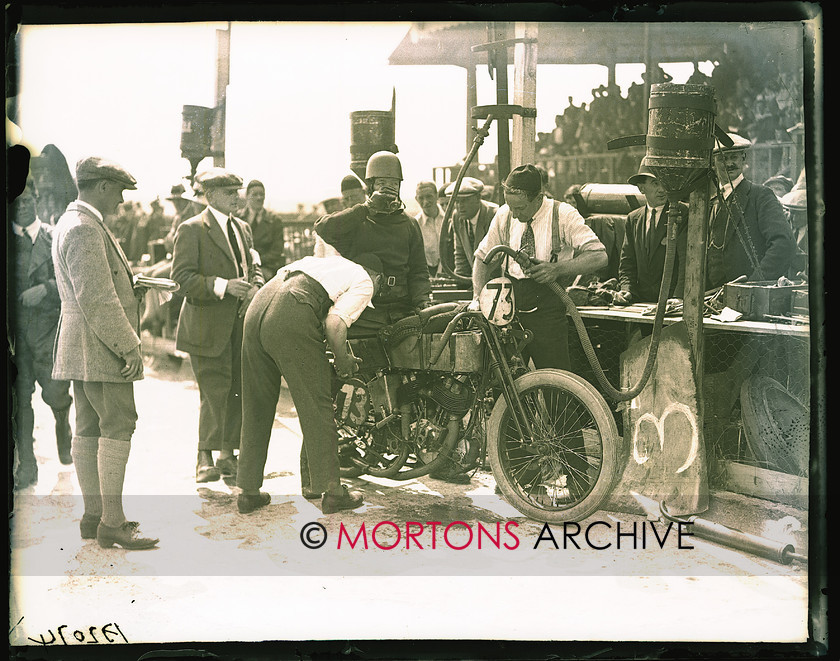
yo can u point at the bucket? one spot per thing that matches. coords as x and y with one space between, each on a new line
680 136
370 131
196 125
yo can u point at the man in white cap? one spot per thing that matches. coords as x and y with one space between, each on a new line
98 348
470 222
748 231
214 264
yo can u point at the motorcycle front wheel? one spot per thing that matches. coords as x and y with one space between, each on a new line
567 468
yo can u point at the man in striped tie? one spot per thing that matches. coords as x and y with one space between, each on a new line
554 234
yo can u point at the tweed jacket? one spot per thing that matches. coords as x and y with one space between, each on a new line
38 324
640 269
464 248
201 255
100 311
757 213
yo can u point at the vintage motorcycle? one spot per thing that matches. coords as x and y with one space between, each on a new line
450 385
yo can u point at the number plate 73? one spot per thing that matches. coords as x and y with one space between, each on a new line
496 301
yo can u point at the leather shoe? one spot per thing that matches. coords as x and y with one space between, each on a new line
348 500
89 525
309 494
127 535
228 466
247 503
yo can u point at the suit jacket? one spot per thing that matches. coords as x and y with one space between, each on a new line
201 255
640 269
269 241
100 311
464 247
37 324
757 212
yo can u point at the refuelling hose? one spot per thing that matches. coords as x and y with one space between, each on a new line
618 395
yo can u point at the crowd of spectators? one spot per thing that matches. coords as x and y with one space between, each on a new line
759 101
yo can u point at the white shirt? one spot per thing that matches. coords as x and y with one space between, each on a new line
347 284
30 230
658 211
727 188
431 235
322 248
220 284
573 232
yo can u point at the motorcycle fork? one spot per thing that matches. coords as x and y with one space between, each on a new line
499 364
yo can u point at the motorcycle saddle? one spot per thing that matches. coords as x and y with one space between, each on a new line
433 319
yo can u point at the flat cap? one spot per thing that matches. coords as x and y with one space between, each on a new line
738 143
178 192
469 186
525 177
350 182
643 173
218 178
781 181
94 168
796 200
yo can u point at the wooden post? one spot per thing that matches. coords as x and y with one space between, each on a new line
222 81
695 276
472 101
523 145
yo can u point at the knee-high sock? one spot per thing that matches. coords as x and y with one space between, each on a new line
112 456
84 450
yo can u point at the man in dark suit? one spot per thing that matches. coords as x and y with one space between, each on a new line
98 348
213 263
748 231
267 229
35 308
642 261
470 222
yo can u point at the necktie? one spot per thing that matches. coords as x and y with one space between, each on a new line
234 244
528 244
471 235
652 232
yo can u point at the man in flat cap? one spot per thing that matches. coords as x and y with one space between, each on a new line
471 221
309 301
430 219
214 264
381 226
267 228
748 231
98 348
642 260
352 191
543 229
34 308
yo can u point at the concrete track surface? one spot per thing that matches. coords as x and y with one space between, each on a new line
442 560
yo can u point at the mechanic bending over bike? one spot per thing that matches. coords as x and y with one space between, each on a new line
308 301
380 226
552 233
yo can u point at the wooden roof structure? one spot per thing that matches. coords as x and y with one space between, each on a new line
607 44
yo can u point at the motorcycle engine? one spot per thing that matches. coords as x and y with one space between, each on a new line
453 393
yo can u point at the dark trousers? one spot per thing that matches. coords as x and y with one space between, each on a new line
34 366
284 337
382 314
542 312
105 410
219 382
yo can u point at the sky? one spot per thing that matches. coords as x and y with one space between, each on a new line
118 91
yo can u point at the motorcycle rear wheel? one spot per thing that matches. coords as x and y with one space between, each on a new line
568 469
